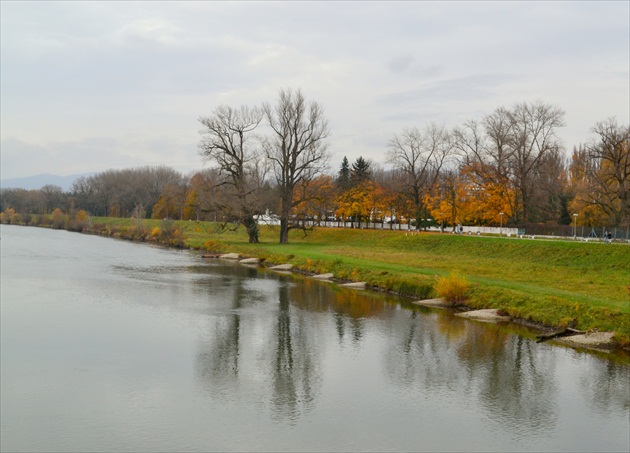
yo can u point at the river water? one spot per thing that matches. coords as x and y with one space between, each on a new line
108 345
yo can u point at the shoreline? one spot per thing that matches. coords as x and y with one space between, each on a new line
594 341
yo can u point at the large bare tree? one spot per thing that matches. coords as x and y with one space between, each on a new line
296 149
420 156
533 132
229 142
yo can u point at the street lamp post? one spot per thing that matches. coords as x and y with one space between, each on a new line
575 226
501 229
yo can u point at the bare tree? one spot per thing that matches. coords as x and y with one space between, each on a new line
23 201
228 141
420 157
609 170
53 197
296 150
469 142
126 192
499 149
533 140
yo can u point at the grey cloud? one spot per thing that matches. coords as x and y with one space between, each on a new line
139 71
94 154
465 88
408 65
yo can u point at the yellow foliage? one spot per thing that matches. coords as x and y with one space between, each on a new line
364 201
82 215
452 288
190 207
7 215
212 245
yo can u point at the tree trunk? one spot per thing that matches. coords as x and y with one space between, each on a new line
567 331
252 229
284 230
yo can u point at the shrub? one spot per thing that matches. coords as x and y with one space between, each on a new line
73 225
78 221
176 238
7 215
58 219
45 220
453 288
167 226
212 245
83 218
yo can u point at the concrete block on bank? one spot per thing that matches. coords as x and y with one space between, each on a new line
282 267
590 340
230 256
433 303
354 285
322 276
487 315
250 261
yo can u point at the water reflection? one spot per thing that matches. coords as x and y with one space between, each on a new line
218 362
303 365
607 388
286 370
498 371
296 369
349 308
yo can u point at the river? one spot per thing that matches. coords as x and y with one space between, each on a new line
108 345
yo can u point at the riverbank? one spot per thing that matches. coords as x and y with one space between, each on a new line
549 283
543 282
595 340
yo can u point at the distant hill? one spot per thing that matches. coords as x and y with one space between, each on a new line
38 181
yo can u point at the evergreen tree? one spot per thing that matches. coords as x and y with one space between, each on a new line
360 171
343 177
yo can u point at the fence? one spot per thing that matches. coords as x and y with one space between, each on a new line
550 231
581 231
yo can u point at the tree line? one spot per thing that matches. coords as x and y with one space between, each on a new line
506 167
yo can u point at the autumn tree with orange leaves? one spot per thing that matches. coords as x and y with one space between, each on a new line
362 202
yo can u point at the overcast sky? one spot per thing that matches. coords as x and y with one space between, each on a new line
89 86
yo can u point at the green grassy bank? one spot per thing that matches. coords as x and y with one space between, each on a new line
547 282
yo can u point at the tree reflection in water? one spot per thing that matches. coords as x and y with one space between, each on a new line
295 371
218 362
608 389
437 351
268 336
278 370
